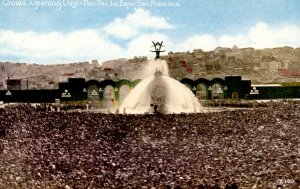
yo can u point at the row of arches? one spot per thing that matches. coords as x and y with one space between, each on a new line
207 89
109 95
109 92
114 84
112 93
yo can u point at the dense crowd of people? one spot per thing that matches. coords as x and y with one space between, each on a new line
251 148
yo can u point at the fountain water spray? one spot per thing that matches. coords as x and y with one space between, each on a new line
157 92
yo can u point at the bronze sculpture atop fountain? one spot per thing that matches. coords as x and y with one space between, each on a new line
157 46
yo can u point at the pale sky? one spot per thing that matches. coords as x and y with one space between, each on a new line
62 31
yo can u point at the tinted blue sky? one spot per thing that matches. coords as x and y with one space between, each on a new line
214 17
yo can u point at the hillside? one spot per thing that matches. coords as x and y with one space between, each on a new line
260 65
274 65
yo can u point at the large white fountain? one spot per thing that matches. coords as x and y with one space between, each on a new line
159 92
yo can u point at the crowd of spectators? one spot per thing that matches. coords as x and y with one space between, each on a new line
249 148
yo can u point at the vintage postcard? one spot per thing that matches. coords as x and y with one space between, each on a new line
157 94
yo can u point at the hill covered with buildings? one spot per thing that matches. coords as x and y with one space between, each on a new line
276 65
259 65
